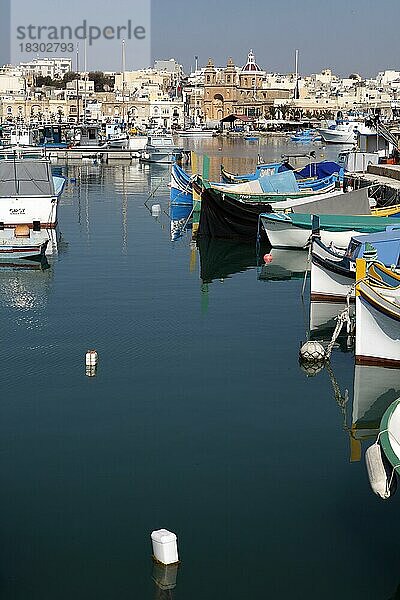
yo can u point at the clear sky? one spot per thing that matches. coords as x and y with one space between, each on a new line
348 36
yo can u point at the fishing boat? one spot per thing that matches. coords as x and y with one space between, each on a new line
377 317
307 136
333 271
227 215
294 230
312 171
29 192
181 186
340 132
161 149
261 170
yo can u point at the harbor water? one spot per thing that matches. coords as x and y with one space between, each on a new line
199 419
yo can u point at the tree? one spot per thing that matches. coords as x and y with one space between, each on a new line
102 83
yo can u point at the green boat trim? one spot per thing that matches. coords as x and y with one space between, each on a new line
384 436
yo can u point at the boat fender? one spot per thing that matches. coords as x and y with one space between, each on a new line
267 258
312 351
380 473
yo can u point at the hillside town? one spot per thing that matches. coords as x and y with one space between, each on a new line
50 90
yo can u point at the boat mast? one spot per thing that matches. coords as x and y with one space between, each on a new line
123 82
85 100
77 84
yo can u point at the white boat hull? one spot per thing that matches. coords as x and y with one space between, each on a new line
26 210
328 285
331 136
377 336
323 315
283 234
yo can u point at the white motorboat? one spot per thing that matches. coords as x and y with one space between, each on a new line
160 148
340 132
29 192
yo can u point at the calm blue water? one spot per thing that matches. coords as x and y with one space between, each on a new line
199 420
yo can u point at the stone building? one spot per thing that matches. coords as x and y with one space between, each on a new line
237 91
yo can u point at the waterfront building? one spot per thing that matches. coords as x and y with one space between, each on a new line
55 68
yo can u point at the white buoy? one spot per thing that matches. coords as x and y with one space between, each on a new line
92 358
312 351
381 478
165 546
156 210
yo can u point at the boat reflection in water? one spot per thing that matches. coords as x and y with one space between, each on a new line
375 389
285 265
323 317
220 259
180 221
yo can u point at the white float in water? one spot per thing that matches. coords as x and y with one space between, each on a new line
156 210
92 358
312 351
380 477
165 546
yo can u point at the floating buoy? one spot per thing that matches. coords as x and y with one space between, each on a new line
312 351
267 258
92 358
381 477
156 210
165 547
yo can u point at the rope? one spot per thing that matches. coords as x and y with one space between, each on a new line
307 269
342 318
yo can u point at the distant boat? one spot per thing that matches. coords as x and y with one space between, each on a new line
161 149
313 171
307 136
198 132
251 138
339 132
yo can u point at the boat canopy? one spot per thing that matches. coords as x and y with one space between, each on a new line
320 170
26 178
279 183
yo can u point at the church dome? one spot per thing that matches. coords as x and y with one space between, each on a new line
251 66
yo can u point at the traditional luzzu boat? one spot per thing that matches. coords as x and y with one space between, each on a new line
261 170
236 215
268 188
333 271
181 186
313 171
295 230
377 316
